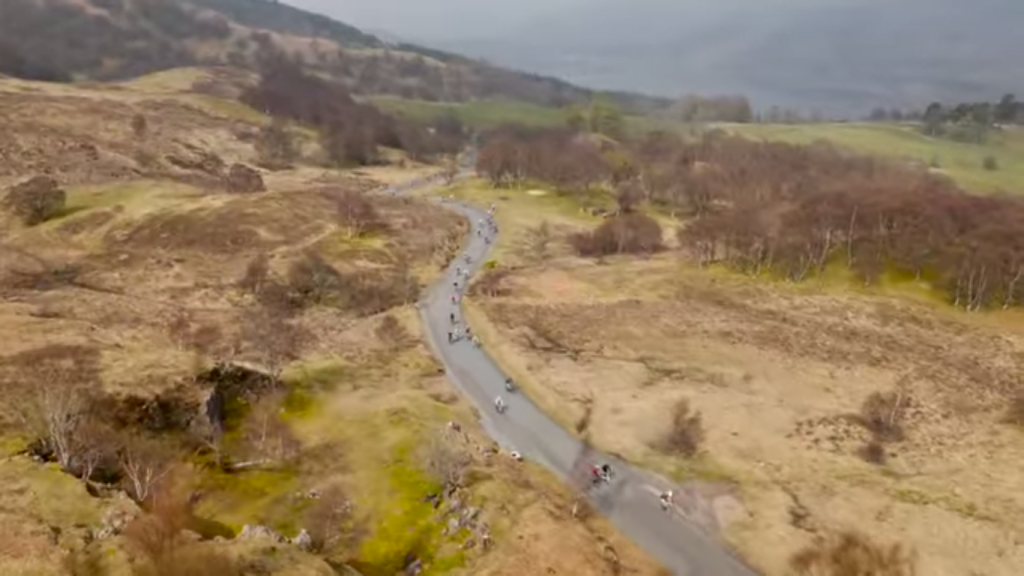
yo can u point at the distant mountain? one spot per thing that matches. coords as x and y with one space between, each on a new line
840 56
112 39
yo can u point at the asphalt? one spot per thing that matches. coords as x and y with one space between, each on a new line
630 500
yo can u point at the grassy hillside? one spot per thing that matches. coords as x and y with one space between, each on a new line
962 162
116 39
132 288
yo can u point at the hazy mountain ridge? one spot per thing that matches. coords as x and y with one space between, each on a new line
115 39
841 56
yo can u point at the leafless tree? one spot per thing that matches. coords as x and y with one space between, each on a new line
267 435
450 172
356 212
140 126
445 463
327 520
145 461
256 275
272 338
93 444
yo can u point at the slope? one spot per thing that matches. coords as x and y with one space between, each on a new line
113 39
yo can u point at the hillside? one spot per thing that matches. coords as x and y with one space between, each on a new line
221 345
114 39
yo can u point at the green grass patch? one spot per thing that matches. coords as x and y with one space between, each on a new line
141 194
480 114
341 245
252 497
232 109
408 526
961 161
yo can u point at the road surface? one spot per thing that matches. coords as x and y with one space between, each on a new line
630 501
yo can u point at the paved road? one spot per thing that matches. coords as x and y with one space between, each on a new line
630 501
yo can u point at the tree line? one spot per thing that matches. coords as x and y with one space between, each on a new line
769 208
350 132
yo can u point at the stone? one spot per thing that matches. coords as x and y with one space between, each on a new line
256 531
304 541
242 179
121 512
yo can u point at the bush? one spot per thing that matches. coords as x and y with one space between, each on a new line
874 452
852 554
990 163
631 233
313 281
883 415
36 200
687 431
1015 412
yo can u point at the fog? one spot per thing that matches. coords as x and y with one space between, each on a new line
836 56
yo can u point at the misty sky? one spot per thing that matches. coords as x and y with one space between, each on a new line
436 19
479 19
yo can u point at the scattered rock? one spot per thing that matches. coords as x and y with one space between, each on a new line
242 179
468 544
197 159
304 541
256 531
121 513
413 566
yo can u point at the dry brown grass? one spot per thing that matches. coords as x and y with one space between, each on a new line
797 387
852 554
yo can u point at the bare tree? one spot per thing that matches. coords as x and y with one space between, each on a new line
445 463
450 171
356 212
268 436
256 275
272 338
328 519
145 461
93 444
275 145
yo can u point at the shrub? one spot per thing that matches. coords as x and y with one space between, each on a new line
313 281
687 430
140 126
990 163
852 554
36 200
629 233
883 415
491 283
1015 412
874 452
356 212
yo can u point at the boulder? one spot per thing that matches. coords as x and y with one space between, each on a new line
242 179
121 512
256 531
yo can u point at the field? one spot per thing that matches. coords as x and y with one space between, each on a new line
962 162
140 276
780 375
484 114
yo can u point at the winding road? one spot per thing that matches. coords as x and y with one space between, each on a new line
630 501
